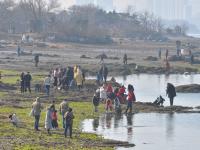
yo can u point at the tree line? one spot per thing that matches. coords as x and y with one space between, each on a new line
80 23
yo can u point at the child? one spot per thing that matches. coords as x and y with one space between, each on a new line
109 105
54 119
96 101
13 118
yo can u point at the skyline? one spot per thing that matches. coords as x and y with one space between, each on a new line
187 10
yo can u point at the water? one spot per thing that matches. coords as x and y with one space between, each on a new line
195 35
149 130
148 87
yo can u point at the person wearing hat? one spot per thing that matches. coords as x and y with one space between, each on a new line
64 106
36 110
131 98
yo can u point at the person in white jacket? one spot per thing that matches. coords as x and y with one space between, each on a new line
47 84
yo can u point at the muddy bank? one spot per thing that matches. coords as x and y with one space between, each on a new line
141 107
190 88
120 70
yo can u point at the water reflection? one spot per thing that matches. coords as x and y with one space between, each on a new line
95 124
170 125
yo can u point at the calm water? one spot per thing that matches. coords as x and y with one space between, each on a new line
149 131
148 87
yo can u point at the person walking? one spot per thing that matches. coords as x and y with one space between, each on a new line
171 93
64 106
69 116
131 98
36 110
27 82
47 84
125 59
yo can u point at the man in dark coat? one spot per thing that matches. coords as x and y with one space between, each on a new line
104 72
27 82
171 92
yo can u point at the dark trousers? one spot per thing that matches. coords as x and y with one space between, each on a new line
171 101
68 127
37 119
28 86
129 106
22 87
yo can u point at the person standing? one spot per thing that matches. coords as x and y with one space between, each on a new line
125 59
96 100
48 119
63 109
69 116
166 54
27 81
171 93
18 50
36 59
22 82
36 110
47 84
159 53
131 98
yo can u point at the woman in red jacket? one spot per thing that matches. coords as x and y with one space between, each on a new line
131 98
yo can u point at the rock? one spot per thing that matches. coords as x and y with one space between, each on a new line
190 88
84 56
41 44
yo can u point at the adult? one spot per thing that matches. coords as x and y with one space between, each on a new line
27 81
104 72
64 106
171 92
47 84
69 116
36 110
55 75
36 59
48 119
22 82
79 78
159 53
125 59
166 54
18 51
131 98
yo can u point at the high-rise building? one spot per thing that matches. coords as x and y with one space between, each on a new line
85 2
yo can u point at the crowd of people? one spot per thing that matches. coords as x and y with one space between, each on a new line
114 98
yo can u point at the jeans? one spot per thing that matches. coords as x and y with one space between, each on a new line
68 126
47 87
129 106
37 118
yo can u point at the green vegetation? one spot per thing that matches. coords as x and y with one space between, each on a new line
25 137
